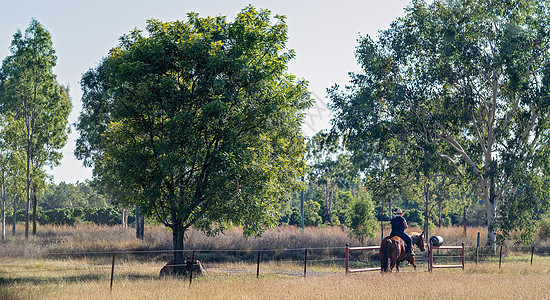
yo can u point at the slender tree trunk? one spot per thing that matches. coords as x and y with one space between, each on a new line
381 221
137 222
464 219
28 206
14 224
3 209
34 202
329 196
390 209
439 208
427 212
142 227
125 211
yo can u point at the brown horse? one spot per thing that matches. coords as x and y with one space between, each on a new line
393 248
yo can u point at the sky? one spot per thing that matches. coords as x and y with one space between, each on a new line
323 33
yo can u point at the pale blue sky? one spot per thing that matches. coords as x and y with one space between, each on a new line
323 34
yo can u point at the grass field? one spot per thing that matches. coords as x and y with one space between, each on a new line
51 279
33 268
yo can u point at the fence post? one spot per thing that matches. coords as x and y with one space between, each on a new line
462 256
477 248
347 258
305 262
430 258
500 258
191 271
258 265
532 252
112 272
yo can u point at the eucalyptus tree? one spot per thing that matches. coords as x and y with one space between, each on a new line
33 96
466 82
197 122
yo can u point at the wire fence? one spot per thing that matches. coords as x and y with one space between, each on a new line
258 262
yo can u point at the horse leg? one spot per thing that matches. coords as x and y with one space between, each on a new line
411 260
397 266
393 263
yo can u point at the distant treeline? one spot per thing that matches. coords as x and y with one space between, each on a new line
71 216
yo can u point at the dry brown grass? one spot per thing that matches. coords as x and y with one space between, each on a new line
29 270
76 280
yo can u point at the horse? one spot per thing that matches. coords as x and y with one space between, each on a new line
393 248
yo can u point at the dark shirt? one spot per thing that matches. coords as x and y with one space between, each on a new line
398 224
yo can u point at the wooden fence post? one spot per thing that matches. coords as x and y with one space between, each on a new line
347 258
500 258
477 248
305 262
258 265
112 272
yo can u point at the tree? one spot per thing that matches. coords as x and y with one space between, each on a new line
362 219
32 94
466 83
197 123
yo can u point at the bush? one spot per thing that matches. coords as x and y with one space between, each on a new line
544 228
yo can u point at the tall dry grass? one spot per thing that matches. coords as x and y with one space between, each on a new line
74 280
83 238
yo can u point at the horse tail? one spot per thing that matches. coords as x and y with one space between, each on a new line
384 255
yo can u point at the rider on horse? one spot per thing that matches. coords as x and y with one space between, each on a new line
398 226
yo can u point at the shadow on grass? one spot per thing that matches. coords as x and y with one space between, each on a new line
39 280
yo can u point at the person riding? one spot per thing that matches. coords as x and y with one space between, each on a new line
398 226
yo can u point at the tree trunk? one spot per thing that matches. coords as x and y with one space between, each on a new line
125 212
141 226
491 234
464 220
178 233
28 207
329 196
34 212
137 222
390 212
491 204
439 208
382 221
426 212
3 209
13 225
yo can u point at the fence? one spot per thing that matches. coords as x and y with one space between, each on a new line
113 266
349 249
431 249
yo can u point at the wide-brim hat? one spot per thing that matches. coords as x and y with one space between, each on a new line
398 212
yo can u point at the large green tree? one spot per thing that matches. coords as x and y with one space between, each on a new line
198 122
32 95
466 83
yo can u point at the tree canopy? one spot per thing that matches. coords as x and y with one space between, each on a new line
465 84
197 122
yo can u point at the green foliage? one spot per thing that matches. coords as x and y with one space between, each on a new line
544 228
80 194
36 106
197 122
457 88
71 216
414 216
311 213
362 220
